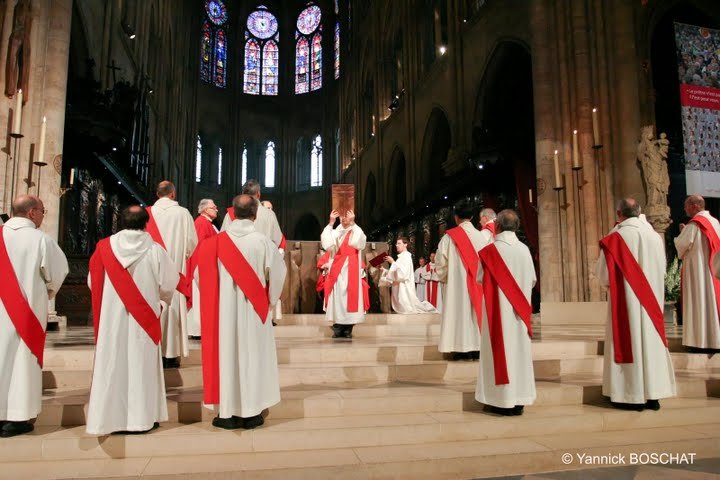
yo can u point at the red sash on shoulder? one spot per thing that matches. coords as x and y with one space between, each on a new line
431 288
26 323
489 226
183 285
231 213
497 277
708 230
470 261
350 254
622 265
207 255
104 261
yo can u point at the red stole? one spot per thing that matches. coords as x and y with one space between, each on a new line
26 323
320 285
497 277
707 229
470 261
104 261
283 242
231 213
352 256
204 229
622 265
208 253
431 288
490 226
183 285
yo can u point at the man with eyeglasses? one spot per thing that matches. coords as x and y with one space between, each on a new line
33 268
208 212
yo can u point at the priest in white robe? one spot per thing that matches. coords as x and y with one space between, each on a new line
33 269
434 288
344 295
400 275
456 264
265 221
172 226
506 380
239 277
487 224
419 280
130 275
637 369
696 245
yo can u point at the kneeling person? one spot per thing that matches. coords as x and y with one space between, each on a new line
129 276
239 277
401 277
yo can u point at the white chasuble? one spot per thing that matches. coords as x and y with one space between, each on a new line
402 277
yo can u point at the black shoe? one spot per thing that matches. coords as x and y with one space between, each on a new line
347 331
13 429
195 337
506 412
456 356
253 422
518 410
171 362
337 330
637 407
653 405
274 323
474 355
228 423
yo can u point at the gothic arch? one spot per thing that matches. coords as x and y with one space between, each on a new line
397 180
307 228
369 200
436 144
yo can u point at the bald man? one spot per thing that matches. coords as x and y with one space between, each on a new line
697 244
173 228
33 269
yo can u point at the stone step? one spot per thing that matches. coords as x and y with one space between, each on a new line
347 371
569 428
69 407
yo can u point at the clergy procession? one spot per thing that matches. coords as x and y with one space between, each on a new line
153 286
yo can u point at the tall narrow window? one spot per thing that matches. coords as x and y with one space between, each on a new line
316 158
270 165
337 40
308 50
219 177
244 166
213 44
198 160
261 53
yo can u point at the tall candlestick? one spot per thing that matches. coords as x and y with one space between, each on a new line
596 128
576 151
72 176
530 195
17 117
558 178
41 149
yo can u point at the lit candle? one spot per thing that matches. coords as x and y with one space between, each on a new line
596 128
558 179
575 151
41 150
530 195
72 176
17 117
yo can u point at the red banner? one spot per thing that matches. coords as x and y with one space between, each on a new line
700 97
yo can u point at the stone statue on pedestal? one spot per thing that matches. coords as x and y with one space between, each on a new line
652 158
17 67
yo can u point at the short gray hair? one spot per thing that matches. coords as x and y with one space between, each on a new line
628 207
489 213
204 203
508 221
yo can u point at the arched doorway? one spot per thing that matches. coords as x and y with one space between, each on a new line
369 200
307 228
397 181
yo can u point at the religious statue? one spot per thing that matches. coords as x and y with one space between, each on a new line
652 157
17 68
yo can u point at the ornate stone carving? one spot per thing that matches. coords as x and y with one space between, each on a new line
652 158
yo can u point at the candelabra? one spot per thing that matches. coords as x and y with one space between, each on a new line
558 191
40 165
14 160
580 215
600 185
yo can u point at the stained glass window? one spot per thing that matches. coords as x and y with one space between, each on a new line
261 53
198 160
205 52
244 166
216 11
316 162
270 165
219 177
213 44
308 50
337 50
